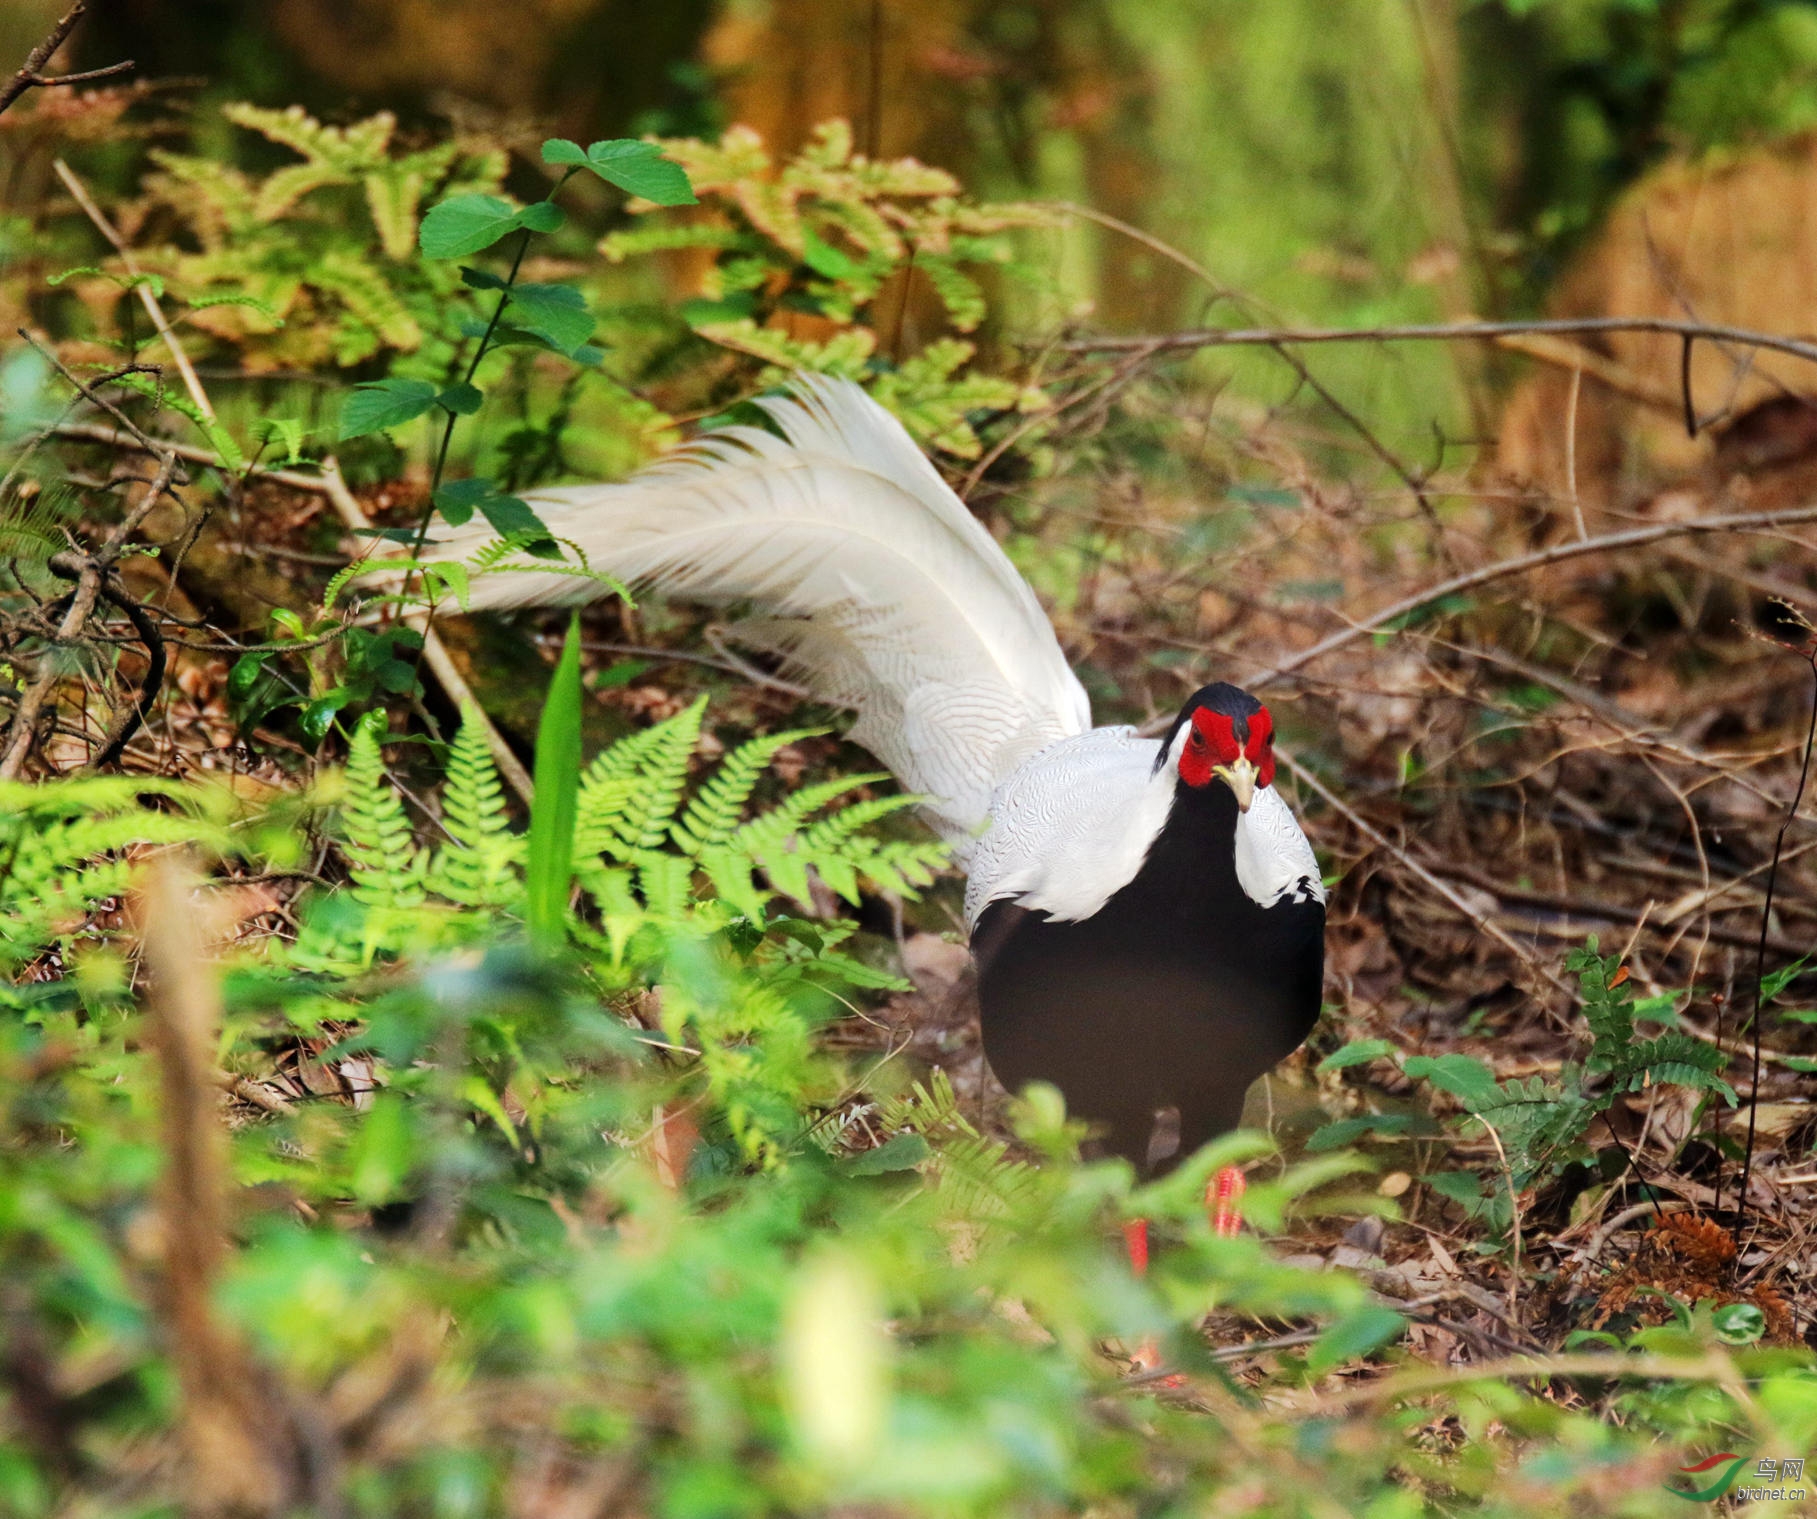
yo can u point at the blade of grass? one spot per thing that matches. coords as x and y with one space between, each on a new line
555 800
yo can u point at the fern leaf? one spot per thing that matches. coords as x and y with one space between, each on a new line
382 856
479 865
718 807
662 774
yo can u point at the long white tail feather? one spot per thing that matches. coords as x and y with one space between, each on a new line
864 572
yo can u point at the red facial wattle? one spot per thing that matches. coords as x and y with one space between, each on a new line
1260 747
1211 741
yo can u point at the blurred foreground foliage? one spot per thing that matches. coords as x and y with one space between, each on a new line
611 1226
605 1218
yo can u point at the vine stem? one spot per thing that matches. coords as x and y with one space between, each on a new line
441 457
1766 913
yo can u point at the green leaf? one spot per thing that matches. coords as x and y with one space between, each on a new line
1775 982
554 802
244 675
1463 1076
465 224
383 1152
513 518
318 717
1357 1052
825 259
251 302
1464 1187
542 216
379 404
638 168
479 279
556 313
1343 1131
448 577
1739 1323
1354 1336
901 1152
457 500
510 516
286 432
463 400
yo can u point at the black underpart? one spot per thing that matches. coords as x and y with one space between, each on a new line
1177 993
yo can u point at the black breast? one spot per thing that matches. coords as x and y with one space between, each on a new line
1177 993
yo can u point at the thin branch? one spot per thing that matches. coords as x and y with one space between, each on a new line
157 450
435 652
330 484
1436 332
132 715
1432 882
1766 914
1375 622
33 77
90 574
191 381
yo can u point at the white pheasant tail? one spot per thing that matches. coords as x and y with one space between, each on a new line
864 572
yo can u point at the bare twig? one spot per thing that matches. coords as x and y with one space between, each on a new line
435 652
33 77
132 714
1375 622
1192 266
91 394
191 381
1433 883
1766 915
1436 332
90 572
331 484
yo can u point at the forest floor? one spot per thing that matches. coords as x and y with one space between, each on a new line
1572 742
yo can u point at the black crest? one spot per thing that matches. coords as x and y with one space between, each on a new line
1233 701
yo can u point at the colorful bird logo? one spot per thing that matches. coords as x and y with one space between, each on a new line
1726 1459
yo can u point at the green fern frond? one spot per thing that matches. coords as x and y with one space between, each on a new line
63 847
718 807
1673 1057
662 772
478 865
382 856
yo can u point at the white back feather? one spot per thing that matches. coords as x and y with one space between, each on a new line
866 573
1073 826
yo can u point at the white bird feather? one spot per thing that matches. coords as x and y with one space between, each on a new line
872 580
882 593
1072 827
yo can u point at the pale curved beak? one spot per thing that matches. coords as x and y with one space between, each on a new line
1239 775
